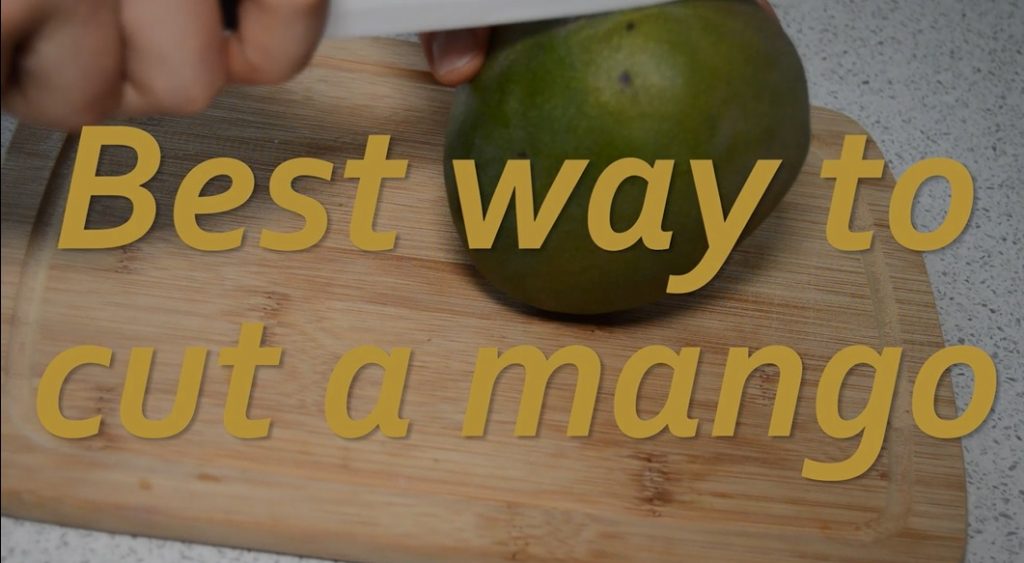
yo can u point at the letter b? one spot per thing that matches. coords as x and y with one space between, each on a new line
86 184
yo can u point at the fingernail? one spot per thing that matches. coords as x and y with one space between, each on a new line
453 50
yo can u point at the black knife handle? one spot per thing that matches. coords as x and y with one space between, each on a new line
229 13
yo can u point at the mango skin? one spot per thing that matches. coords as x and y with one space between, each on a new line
696 79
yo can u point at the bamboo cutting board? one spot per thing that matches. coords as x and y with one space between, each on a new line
434 495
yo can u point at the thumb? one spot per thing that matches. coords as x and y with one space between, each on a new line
455 56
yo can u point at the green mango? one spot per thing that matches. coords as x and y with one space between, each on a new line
695 79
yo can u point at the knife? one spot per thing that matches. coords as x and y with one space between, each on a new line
361 18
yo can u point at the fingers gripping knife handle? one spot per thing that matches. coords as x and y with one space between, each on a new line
229 14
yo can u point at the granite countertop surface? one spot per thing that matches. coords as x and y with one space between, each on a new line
926 78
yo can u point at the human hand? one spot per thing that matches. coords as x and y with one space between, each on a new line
66 63
455 56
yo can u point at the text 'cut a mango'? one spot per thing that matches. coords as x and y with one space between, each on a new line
869 425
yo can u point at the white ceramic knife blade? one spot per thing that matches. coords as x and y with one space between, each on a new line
360 18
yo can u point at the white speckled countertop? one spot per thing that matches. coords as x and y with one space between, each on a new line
925 78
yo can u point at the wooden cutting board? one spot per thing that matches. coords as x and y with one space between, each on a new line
435 495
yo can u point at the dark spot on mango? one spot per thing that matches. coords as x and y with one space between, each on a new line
626 79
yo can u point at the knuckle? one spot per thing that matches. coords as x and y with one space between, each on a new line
187 99
195 100
91 106
273 73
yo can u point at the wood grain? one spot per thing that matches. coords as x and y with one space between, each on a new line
433 495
